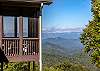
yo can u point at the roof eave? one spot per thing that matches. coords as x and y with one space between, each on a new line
47 3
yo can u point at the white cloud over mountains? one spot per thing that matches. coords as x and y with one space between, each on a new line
60 30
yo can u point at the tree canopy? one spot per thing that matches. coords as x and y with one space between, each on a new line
91 34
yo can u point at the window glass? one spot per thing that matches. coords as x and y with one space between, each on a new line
8 26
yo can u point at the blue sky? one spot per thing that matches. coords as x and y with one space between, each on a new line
64 14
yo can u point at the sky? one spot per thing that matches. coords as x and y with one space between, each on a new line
66 14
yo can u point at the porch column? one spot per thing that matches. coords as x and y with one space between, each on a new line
20 34
40 38
30 23
33 27
15 26
1 29
36 28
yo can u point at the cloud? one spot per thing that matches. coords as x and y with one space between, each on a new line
60 30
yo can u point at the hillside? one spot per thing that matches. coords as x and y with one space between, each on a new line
67 46
61 49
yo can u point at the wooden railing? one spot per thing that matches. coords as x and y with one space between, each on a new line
10 46
30 46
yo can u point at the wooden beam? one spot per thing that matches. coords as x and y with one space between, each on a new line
1 26
36 22
37 27
21 34
1 66
30 21
15 26
23 58
28 66
33 27
19 4
33 65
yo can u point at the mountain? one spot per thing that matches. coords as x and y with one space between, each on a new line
67 35
61 47
62 43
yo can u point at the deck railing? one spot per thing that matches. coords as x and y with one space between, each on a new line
30 46
10 46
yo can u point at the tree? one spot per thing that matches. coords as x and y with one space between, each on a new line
91 34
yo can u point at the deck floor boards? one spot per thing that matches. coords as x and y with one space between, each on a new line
25 58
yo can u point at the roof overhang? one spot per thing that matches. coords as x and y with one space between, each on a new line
26 8
46 2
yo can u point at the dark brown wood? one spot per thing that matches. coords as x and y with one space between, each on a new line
36 27
33 66
28 66
28 1
30 22
23 58
1 66
21 34
19 11
19 49
2 27
33 29
20 4
11 46
1 24
15 26
11 38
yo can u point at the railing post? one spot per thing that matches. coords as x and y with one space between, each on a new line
1 26
20 34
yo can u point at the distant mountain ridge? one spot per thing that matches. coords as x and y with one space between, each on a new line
61 43
67 35
59 47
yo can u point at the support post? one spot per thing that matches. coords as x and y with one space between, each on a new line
40 40
33 66
15 26
30 22
1 66
1 26
28 66
36 23
1 30
21 33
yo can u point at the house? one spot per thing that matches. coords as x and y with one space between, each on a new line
20 48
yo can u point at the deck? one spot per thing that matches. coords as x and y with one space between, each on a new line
28 52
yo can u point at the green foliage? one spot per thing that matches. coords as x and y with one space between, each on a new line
61 63
91 34
79 61
21 66
66 66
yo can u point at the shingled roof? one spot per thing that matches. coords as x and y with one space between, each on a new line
29 1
